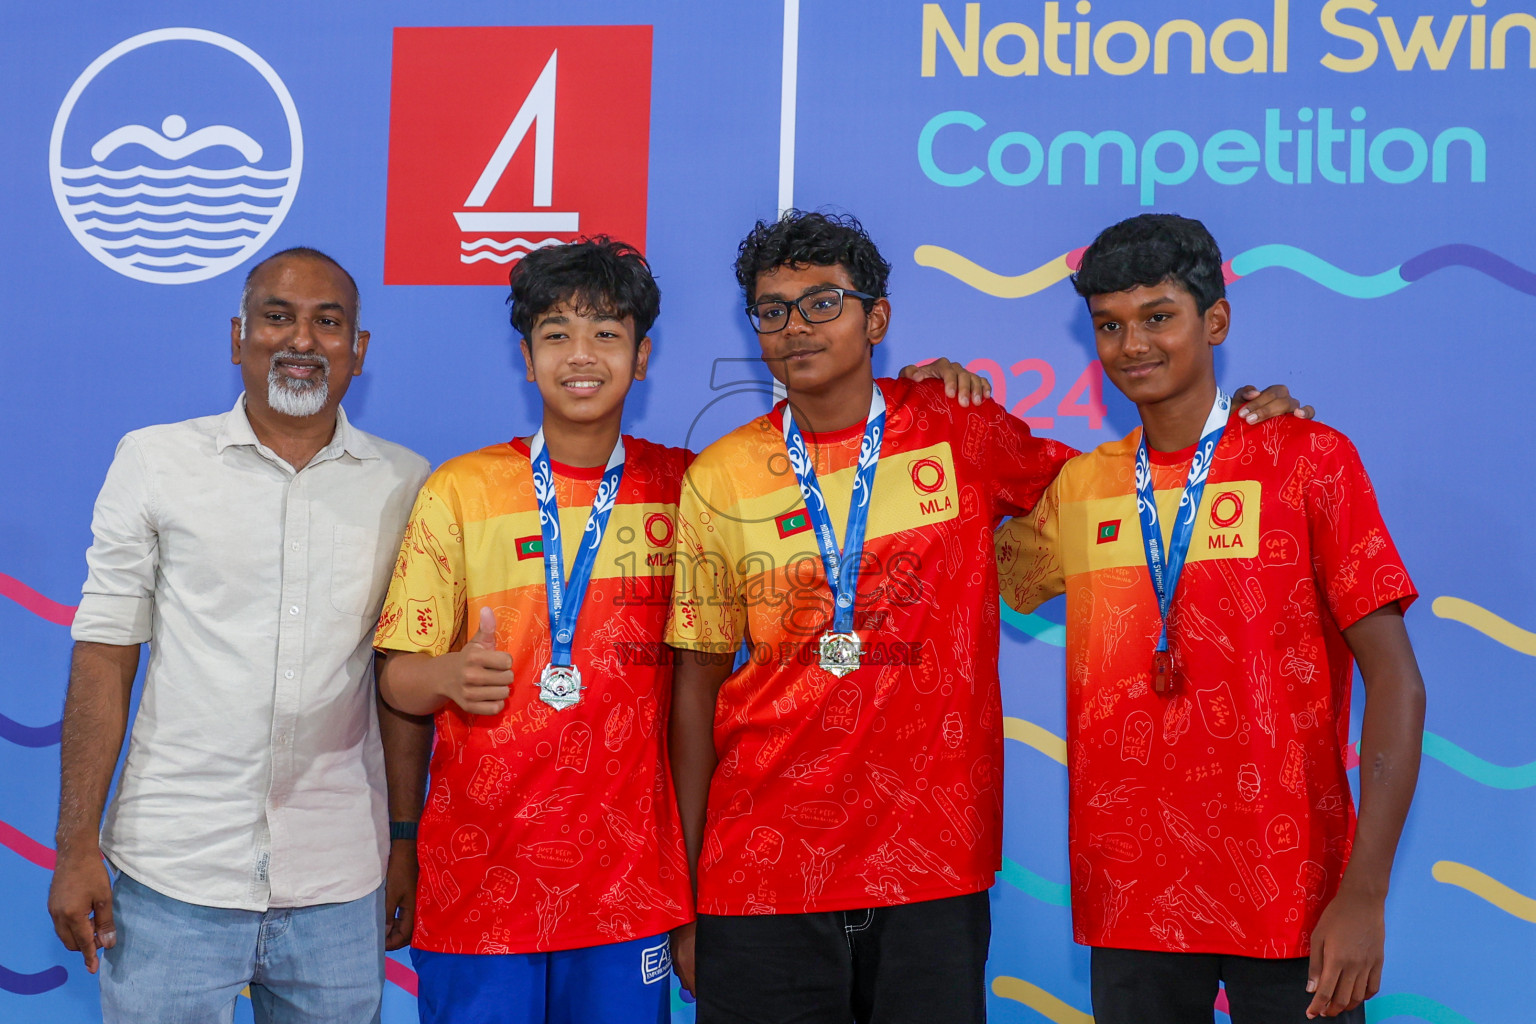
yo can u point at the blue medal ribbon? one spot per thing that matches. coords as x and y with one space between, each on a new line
565 599
841 565
1165 577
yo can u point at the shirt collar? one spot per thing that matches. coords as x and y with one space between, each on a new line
237 430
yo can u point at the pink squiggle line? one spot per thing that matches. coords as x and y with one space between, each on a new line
399 974
26 847
37 604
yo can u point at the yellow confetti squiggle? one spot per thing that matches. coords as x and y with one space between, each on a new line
1487 623
1032 735
1039 1000
984 280
1486 887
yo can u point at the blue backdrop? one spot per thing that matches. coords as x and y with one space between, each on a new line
1366 168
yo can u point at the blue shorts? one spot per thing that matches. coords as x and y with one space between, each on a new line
623 983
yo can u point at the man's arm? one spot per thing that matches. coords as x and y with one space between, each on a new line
407 743
1347 945
696 680
95 720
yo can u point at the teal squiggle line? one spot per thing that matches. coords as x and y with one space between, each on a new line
1042 889
1320 270
1406 1004
1044 630
1475 768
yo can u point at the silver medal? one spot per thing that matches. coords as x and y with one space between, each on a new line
560 686
840 653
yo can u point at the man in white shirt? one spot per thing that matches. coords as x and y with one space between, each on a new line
252 551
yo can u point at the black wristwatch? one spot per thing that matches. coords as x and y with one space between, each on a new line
402 830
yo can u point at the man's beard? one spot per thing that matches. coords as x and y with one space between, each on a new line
298 398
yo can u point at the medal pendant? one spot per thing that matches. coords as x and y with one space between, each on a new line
1162 672
840 653
560 686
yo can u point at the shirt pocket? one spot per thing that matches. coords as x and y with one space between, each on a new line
354 549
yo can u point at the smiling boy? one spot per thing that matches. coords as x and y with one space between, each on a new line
524 614
1219 577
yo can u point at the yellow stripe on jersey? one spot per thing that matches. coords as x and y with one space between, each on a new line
639 542
912 489
1105 533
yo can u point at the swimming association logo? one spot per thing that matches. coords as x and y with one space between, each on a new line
503 140
176 155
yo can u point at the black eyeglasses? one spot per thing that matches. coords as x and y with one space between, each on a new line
772 315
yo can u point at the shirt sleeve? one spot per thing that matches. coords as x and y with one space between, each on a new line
1029 555
117 602
424 611
1021 466
708 611
1353 555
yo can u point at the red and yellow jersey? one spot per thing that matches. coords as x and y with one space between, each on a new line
884 786
546 829
1216 817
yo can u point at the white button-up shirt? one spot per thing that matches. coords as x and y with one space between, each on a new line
254 777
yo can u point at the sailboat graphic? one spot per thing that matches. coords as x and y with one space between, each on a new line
175 202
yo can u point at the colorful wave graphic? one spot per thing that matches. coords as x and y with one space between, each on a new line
32 984
1486 887
1464 762
27 848
1057 894
1030 624
1037 736
1262 257
1404 1004
1487 623
30 735
37 604
1039 1000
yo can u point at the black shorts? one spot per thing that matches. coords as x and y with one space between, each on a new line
1136 986
917 963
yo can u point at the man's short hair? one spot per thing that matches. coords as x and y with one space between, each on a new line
595 275
304 252
1148 250
801 238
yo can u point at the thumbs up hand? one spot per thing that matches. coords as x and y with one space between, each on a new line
479 676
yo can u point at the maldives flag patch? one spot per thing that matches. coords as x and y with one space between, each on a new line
530 547
1109 530
791 523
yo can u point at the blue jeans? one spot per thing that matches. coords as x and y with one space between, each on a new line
180 963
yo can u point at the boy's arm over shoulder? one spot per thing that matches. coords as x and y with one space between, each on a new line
1029 566
424 609
1001 448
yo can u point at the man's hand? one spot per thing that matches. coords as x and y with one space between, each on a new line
479 677
959 383
1275 401
1347 953
400 893
80 889
682 955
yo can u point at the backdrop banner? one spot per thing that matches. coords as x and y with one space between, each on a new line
1365 166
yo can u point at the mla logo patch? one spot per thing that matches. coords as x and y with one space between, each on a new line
1227 510
927 475
791 523
1109 531
503 140
658 529
175 155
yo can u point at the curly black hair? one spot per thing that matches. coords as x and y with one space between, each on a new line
1148 250
597 274
802 238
